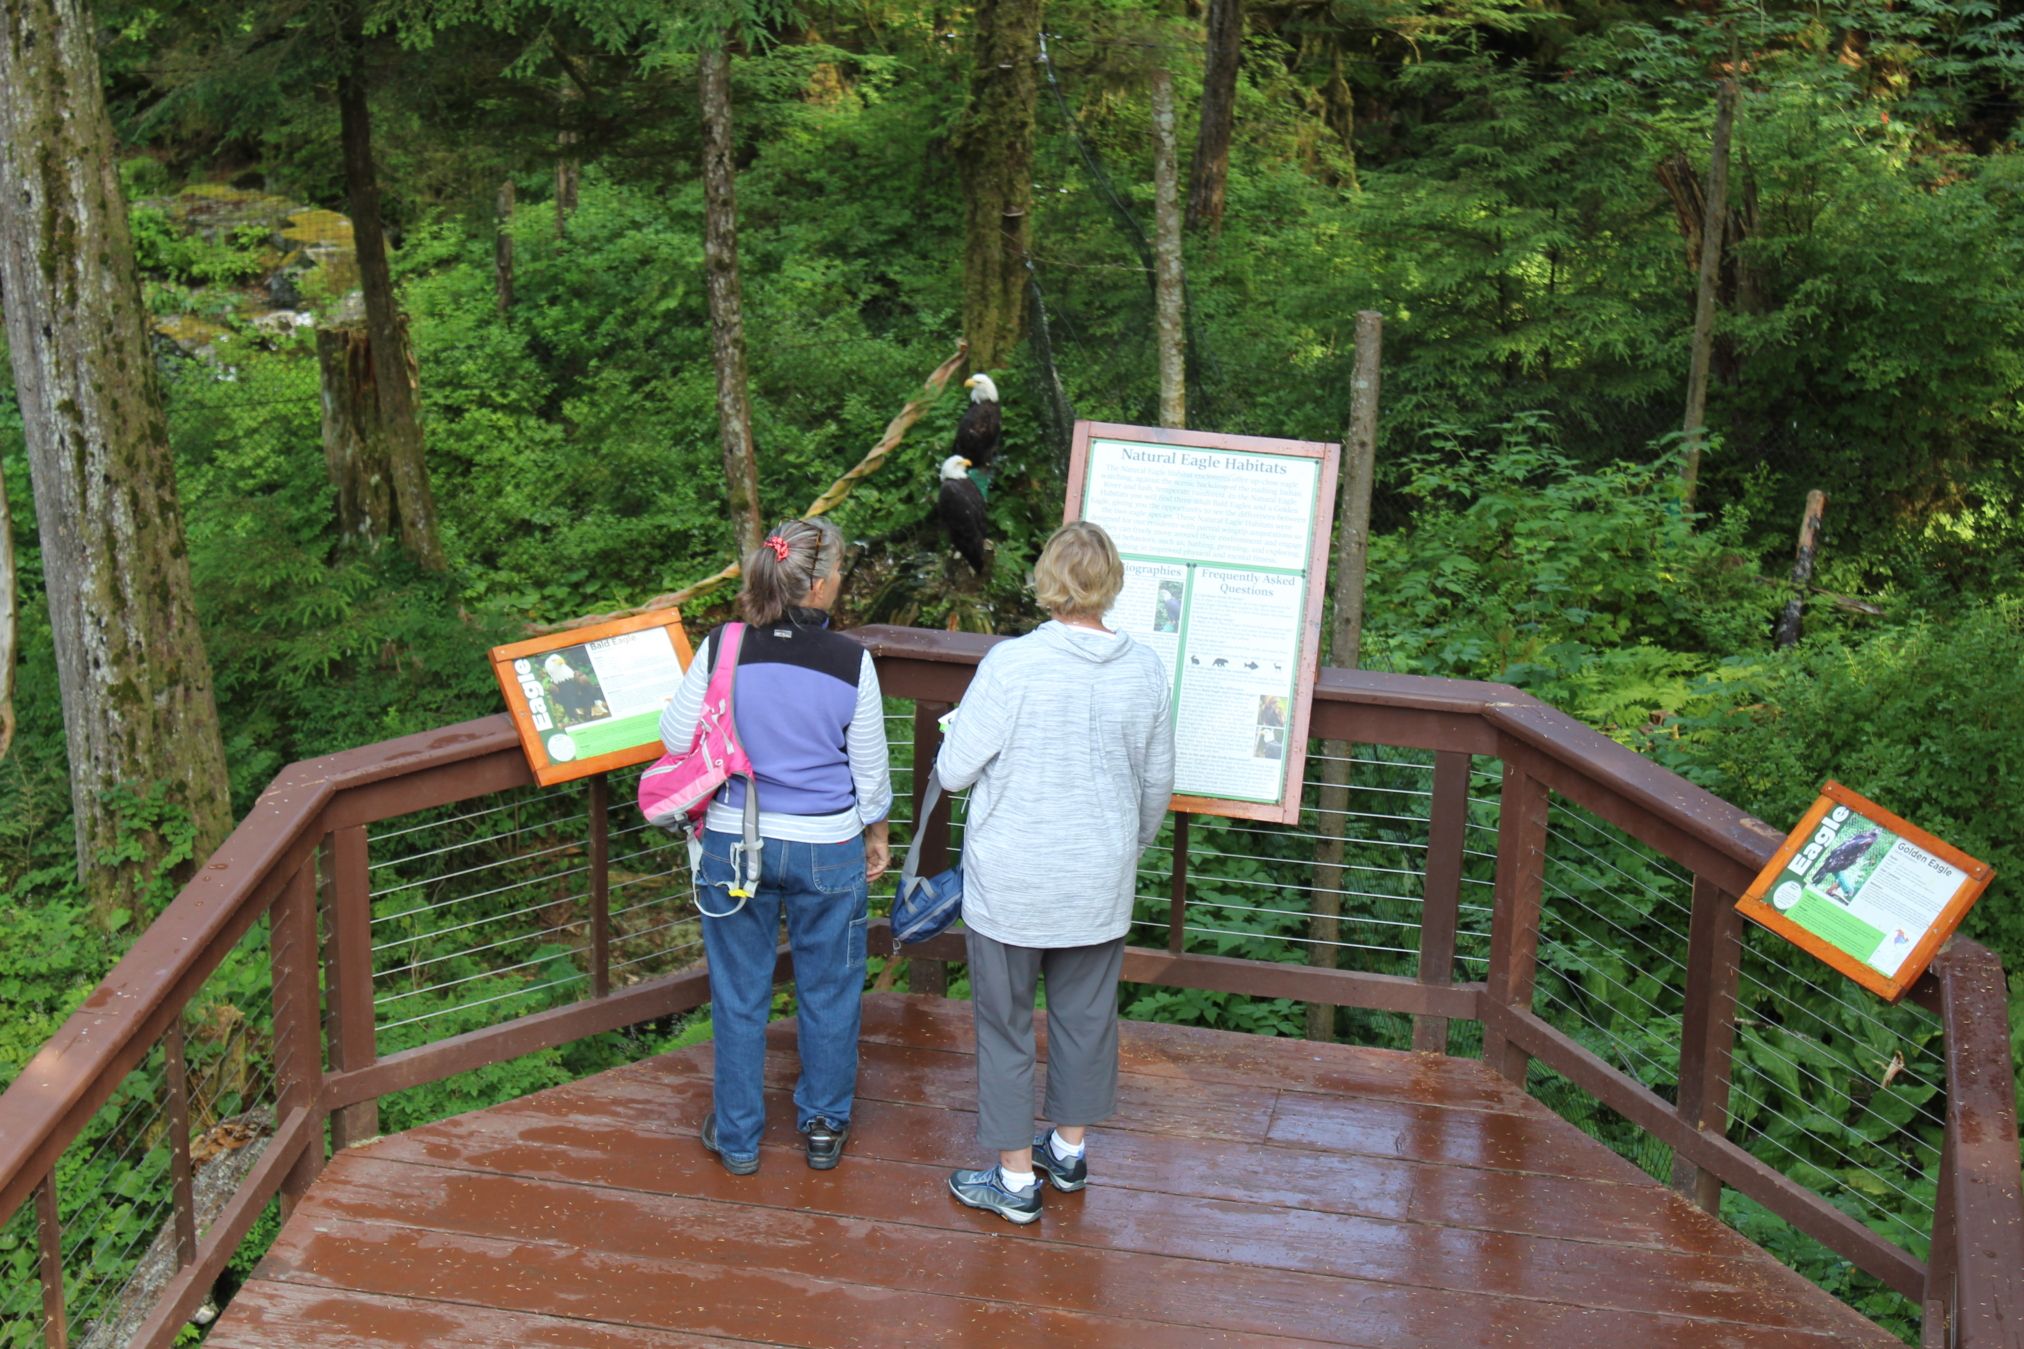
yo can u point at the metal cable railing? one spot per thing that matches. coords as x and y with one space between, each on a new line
115 1189
462 938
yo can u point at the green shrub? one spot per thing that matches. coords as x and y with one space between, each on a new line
1926 719
1585 586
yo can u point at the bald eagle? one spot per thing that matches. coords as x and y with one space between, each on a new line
961 511
977 434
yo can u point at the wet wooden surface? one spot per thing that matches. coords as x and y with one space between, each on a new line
1249 1192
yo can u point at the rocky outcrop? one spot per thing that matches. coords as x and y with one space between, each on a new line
308 264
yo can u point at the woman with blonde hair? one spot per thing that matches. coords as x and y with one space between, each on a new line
807 707
1065 742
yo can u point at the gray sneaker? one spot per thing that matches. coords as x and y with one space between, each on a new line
986 1189
1068 1177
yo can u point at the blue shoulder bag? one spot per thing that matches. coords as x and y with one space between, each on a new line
925 908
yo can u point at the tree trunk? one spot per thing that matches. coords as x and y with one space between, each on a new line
1792 622
9 627
1219 113
138 706
568 168
727 302
354 436
1345 651
1167 279
994 148
502 252
1714 225
414 503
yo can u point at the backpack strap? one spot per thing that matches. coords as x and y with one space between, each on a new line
912 870
724 677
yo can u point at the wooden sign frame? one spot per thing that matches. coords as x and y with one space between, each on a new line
548 772
1329 457
1758 908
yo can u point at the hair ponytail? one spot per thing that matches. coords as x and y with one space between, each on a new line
781 571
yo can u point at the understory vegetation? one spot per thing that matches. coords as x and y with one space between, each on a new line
1481 173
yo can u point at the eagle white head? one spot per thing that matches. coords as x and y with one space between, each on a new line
955 466
982 390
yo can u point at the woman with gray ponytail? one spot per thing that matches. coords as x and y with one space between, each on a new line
807 706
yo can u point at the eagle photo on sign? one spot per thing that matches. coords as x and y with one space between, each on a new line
1826 889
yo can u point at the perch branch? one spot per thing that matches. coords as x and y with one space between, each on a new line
895 432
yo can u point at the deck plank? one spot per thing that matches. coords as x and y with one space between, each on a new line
770 1305
1166 1051
1251 1193
559 1140
895 1227
269 1313
775 1306
1230 1113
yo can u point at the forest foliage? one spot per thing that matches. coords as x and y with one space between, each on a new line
1481 172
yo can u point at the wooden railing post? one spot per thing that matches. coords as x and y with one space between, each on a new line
1177 907
49 1247
929 976
600 885
298 1049
1441 902
1937 1306
1708 1029
1514 930
1324 905
354 1037
182 1175
1975 1276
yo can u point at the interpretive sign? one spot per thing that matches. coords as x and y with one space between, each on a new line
1225 547
1866 892
590 700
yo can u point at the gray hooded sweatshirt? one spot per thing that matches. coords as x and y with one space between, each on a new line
1067 744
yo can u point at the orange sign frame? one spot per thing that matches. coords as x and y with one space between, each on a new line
1756 906
546 771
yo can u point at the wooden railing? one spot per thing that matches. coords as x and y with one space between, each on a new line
328 1070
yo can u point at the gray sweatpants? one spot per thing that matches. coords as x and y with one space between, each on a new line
1081 1035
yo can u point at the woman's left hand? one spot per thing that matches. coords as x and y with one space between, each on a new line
878 853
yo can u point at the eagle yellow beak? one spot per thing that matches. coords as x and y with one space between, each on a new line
970 383
968 464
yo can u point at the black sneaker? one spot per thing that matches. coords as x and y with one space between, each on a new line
1068 1177
825 1144
736 1166
986 1189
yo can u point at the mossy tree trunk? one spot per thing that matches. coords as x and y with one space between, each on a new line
138 708
1211 168
994 151
408 470
1169 283
354 437
727 302
568 164
9 626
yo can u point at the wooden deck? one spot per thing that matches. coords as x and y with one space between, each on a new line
1249 1192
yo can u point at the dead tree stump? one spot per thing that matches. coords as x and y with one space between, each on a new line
355 443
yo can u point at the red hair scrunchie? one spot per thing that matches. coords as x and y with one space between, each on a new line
778 545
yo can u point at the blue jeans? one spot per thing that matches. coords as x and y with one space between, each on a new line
821 887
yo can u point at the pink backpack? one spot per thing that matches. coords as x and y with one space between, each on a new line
675 793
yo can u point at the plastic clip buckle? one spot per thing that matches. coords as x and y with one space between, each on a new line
752 866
